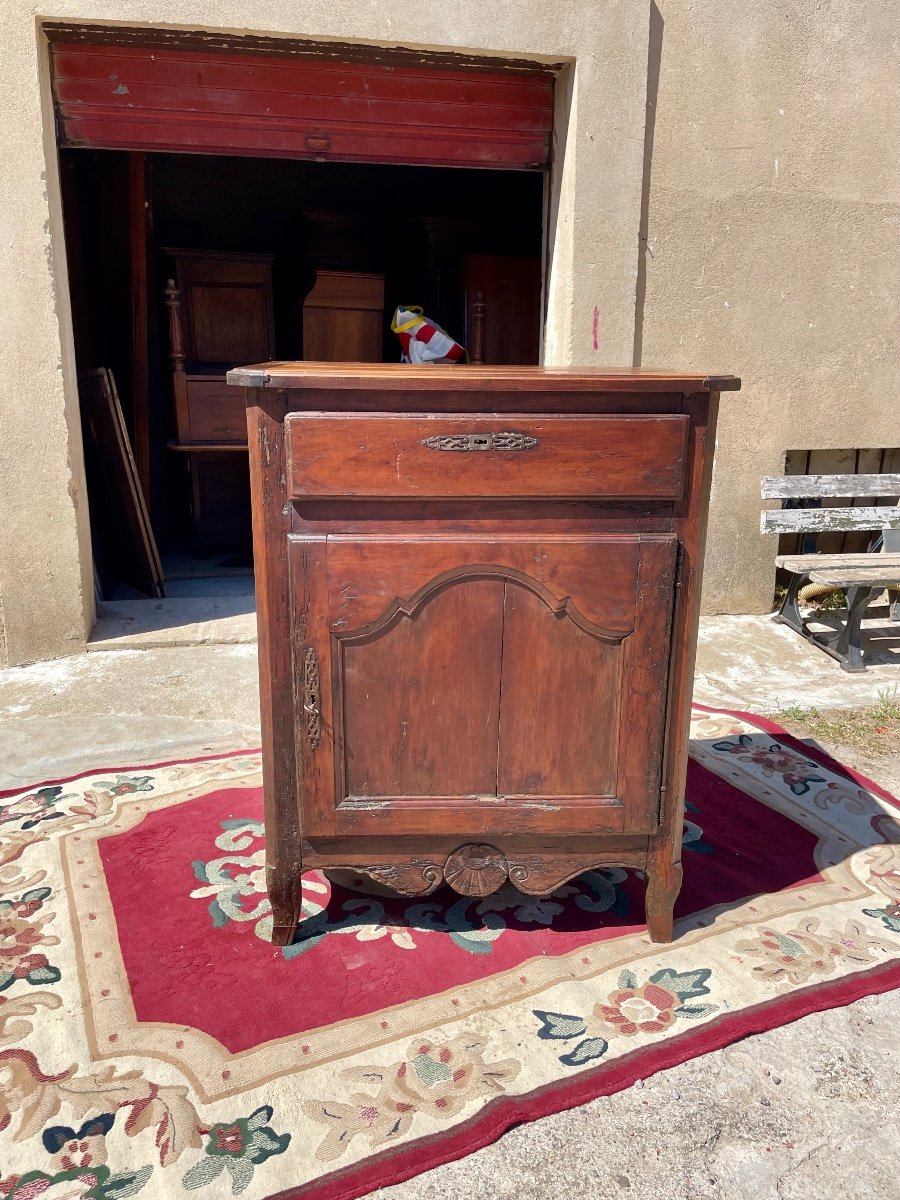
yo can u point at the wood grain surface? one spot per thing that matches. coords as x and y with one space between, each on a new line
504 668
358 455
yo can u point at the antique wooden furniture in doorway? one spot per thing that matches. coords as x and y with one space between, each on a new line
503 298
343 317
477 596
220 313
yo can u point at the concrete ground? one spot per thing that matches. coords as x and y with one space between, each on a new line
805 1112
753 663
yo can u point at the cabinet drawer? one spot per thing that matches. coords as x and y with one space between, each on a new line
349 455
216 412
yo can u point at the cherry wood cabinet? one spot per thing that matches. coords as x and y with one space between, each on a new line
477 596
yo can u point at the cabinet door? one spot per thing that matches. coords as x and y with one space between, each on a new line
492 683
510 290
227 305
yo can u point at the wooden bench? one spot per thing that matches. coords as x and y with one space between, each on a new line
860 576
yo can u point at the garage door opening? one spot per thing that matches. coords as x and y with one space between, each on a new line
191 262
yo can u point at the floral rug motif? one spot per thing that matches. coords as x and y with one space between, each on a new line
153 1042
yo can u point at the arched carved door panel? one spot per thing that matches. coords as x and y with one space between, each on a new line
489 684
559 711
421 698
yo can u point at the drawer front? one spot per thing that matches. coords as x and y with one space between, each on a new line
511 455
216 412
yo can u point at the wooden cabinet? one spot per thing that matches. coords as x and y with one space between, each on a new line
507 288
343 317
478 596
220 313
456 258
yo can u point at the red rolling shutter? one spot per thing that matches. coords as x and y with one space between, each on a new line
219 102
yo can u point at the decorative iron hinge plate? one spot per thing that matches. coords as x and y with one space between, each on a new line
311 698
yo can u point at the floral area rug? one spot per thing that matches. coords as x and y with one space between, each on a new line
154 1043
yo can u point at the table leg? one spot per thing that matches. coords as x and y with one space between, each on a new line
844 645
789 613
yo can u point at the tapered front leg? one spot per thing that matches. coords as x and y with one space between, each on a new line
285 895
663 885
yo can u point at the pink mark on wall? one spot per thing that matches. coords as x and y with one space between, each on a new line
595 326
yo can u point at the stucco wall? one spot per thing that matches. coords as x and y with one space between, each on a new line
772 249
766 192
45 572
46 588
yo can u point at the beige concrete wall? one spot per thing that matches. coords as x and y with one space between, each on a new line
767 192
46 588
45 571
773 242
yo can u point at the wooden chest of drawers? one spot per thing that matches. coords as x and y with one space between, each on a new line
477 598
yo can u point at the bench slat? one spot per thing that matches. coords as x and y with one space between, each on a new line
801 564
850 577
797 487
820 520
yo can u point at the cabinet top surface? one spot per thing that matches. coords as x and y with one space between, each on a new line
404 377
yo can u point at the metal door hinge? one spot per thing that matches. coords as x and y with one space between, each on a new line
679 566
663 792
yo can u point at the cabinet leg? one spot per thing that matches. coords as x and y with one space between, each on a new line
284 893
663 886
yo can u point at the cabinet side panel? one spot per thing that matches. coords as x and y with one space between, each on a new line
336 335
690 526
265 423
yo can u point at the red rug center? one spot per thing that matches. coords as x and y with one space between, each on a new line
199 961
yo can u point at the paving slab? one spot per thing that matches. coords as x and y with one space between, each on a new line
181 621
752 663
224 585
137 706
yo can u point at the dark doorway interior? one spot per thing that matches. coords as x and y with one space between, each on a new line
431 236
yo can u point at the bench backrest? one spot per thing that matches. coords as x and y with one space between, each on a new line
819 487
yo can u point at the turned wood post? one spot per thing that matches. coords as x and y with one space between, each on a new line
176 357
476 358
176 334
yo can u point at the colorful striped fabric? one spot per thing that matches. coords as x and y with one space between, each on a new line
422 341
